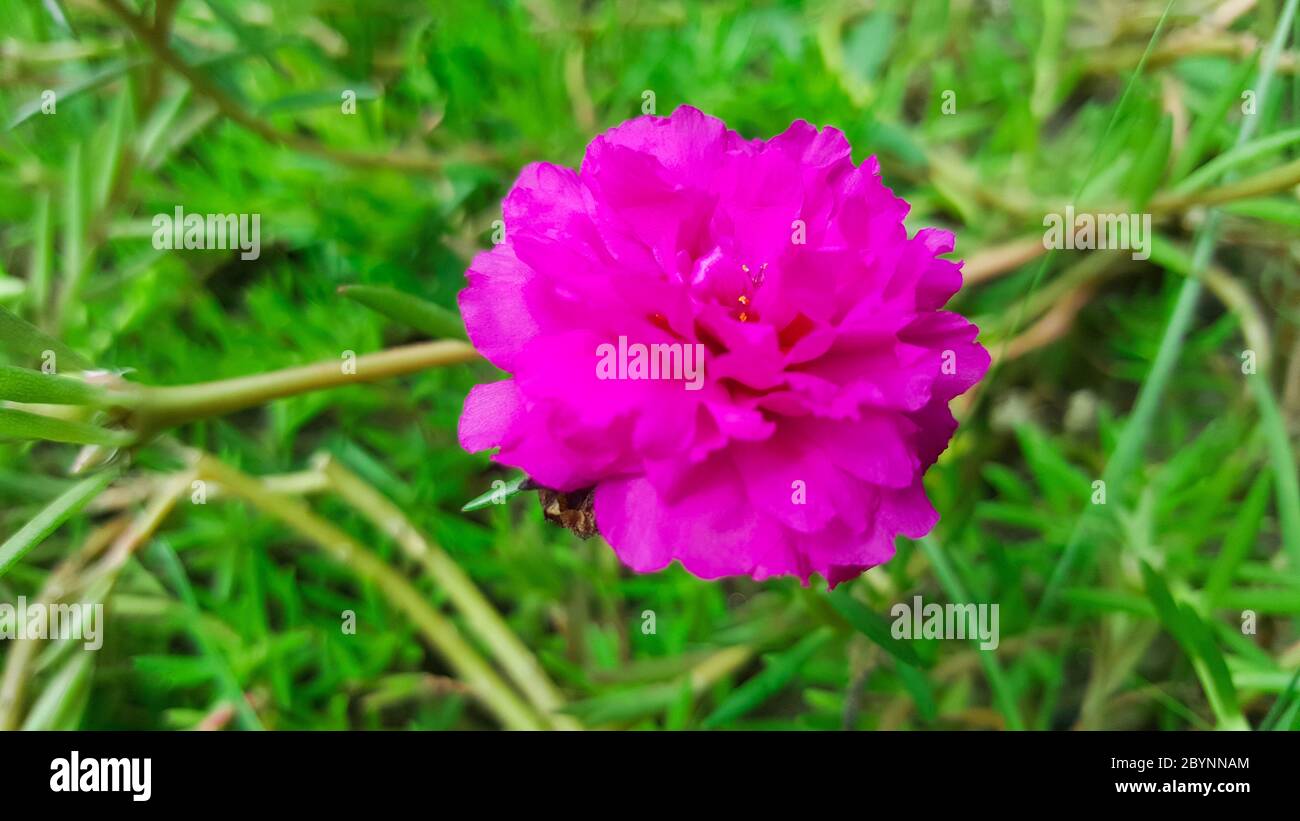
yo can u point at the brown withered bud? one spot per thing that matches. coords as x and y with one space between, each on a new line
574 511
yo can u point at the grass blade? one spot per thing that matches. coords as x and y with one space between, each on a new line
49 519
420 314
1283 712
21 425
1198 643
1212 170
64 94
1239 540
38 279
24 385
497 495
1283 460
873 626
223 675
1198 139
952 585
776 676
63 700
20 338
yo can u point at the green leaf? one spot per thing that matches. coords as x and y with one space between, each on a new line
873 626
776 676
626 705
174 672
1198 643
1003 693
1239 540
24 385
321 98
1209 173
63 700
51 517
42 252
1109 601
918 686
1218 681
1283 460
1283 712
1262 599
16 424
58 13
1202 133
74 231
63 94
497 495
1149 169
1270 209
224 677
679 712
1064 485
110 153
20 338
1166 608
424 316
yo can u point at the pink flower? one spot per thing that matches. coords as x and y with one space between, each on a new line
828 365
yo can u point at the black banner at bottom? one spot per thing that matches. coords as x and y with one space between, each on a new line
140 771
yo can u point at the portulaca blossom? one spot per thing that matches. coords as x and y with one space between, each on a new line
828 364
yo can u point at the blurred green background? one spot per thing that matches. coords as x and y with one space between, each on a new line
1173 605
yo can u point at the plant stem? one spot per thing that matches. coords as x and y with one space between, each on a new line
956 591
157 408
51 517
57 585
718 666
1283 461
1281 178
440 632
481 617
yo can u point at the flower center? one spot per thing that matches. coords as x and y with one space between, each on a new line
754 280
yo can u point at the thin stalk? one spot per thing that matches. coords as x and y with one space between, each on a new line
956 591
103 575
440 632
158 408
51 517
718 666
57 585
481 617
127 493
1281 178
94 583
994 261
1283 460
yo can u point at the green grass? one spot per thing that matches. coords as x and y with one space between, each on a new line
230 606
